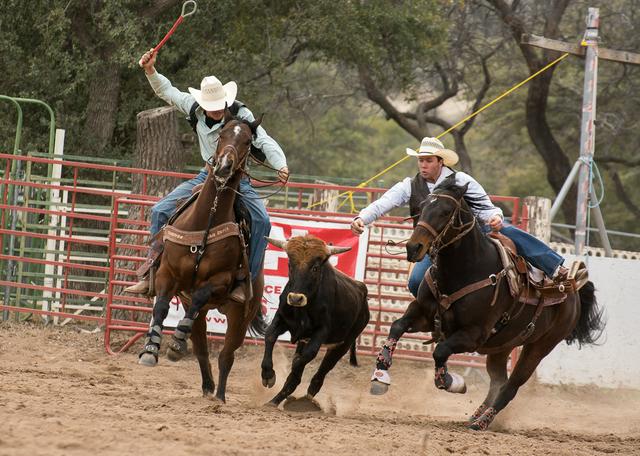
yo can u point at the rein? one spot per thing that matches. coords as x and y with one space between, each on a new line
246 173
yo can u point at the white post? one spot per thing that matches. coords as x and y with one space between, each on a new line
50 255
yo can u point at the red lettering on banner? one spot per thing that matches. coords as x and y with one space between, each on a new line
275 289
217 320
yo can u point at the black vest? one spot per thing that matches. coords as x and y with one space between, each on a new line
234 108
419 193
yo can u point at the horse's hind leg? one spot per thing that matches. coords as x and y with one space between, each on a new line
458 342
529 359
201 351
413 320
497 370
199 298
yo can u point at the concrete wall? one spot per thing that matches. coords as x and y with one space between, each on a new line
616 362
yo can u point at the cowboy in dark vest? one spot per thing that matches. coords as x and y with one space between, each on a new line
434 165
211 99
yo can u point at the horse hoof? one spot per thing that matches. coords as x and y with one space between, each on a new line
483 422
147 359
177 349
269 382
378 388
477 414
457 384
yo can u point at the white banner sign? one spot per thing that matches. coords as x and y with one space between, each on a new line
276 266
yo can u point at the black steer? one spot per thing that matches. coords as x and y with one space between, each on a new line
319 306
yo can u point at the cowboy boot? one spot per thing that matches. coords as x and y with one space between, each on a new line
142 286
241 290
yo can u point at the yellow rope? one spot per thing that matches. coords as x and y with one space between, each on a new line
473 114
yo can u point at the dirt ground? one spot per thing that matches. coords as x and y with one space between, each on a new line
61 394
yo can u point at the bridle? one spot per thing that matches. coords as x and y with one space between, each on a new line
438 241
242 168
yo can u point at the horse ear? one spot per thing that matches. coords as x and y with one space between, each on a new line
228 117
254 125
465 187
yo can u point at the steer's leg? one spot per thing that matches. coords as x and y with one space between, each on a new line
329 361
274 330
300 360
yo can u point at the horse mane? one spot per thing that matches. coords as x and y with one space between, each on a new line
474 202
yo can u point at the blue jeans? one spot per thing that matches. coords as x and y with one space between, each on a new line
260 225
530 247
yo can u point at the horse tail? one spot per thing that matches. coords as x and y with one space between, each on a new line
352 354
258 326
591 322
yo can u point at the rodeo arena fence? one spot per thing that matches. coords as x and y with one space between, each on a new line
73 233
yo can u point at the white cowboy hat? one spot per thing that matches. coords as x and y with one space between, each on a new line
433 146
213 96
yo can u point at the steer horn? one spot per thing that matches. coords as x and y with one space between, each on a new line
335 250
277 242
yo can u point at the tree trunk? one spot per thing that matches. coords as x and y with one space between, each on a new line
158 147
100 123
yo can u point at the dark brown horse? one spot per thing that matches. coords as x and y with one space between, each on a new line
203 273
487 319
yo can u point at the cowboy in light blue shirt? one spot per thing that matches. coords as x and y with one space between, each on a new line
434 164
212 98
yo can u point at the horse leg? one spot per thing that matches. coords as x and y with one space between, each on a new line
413 320
236 329
201 351
458 342
149 354
497 369
529 359
329 361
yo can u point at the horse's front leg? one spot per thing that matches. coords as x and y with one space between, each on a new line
165 292
414 320
461 341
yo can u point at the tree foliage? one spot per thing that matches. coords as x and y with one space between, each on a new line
345 85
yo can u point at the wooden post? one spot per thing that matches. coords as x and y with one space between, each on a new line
587 129
539 220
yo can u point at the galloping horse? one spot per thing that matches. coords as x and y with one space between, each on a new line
203 257
475 311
